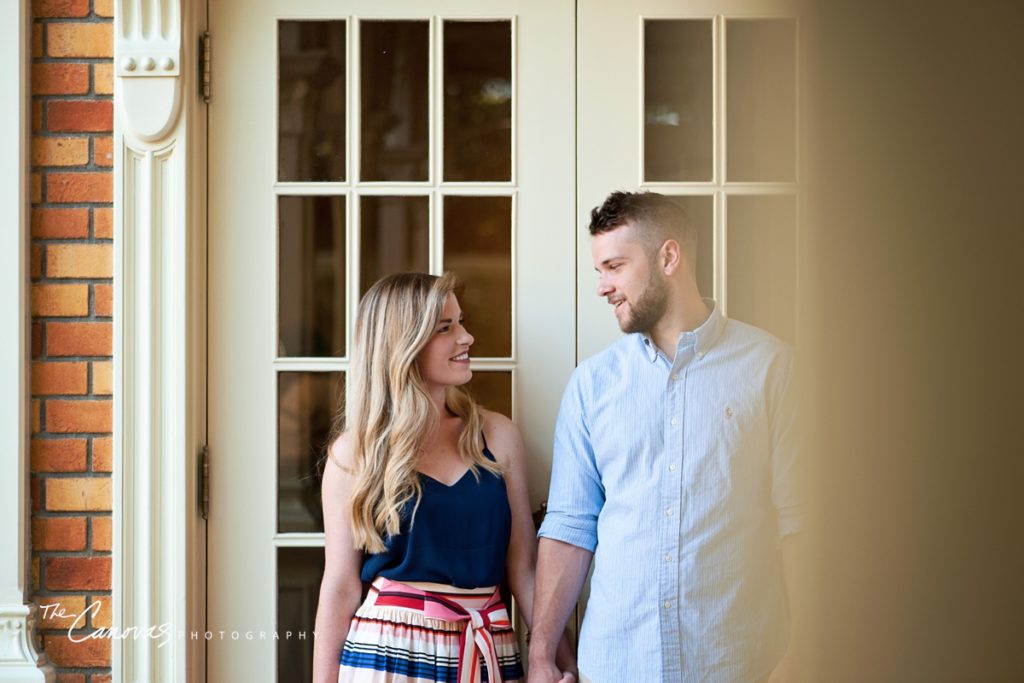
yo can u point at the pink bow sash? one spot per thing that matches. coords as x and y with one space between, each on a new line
475 639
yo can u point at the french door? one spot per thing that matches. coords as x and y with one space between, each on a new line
697 100
349 140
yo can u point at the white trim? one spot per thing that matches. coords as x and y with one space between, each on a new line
159 348
19 659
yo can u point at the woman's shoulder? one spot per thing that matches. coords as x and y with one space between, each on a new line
503 438
341 452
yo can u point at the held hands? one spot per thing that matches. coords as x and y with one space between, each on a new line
549 674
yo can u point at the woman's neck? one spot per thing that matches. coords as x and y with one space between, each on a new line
437 395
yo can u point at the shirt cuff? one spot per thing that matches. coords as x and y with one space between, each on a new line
560 527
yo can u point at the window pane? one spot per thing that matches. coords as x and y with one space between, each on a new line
701 212
761 100
299 571
394 100
492 390
311 101
762 263
478 247
678 113
306 405
311 271
477 100
394 237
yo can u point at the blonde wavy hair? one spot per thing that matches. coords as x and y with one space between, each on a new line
388 410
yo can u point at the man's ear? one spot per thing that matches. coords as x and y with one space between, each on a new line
670 257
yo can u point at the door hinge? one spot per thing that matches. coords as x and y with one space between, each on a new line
204 481
205 58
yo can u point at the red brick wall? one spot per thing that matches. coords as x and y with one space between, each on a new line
72 269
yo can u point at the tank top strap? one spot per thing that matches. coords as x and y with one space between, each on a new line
487 451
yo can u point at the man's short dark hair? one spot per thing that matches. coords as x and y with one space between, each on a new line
656 218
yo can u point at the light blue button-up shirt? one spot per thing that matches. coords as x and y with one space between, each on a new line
680 477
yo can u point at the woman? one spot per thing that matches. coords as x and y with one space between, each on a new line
424 496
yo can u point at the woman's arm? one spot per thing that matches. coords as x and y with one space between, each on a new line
341 589
506 444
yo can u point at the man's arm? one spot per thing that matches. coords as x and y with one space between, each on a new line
561 570
568 534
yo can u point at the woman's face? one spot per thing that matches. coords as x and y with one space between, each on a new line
444 361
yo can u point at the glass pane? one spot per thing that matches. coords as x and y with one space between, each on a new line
311 100
492 390
477 100
307 402
678 112
311 271
761 100
478 247
394 237
701 212
394 100
299 571
762 263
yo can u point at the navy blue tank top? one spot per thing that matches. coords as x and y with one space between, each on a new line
459 538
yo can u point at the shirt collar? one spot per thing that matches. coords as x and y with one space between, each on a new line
702 338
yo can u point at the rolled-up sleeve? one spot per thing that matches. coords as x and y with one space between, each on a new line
576 495
788 478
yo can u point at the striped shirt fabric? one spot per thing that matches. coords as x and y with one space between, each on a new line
680 475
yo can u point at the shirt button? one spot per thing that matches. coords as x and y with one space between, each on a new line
668 558
675 377
668 605
671 468
674 421
668 511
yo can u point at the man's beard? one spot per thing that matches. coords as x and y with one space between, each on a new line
649 307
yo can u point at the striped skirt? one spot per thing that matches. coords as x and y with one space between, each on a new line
430 633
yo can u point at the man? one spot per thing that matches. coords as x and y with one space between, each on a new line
674 468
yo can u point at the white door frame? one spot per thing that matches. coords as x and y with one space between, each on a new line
159 340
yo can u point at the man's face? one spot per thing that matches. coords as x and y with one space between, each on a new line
628 279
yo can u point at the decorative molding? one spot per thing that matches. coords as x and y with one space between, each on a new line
20 661
17 646
159 243
147 60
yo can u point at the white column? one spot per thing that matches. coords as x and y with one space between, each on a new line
159 338
19 660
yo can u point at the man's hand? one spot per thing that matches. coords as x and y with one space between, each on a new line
548 673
